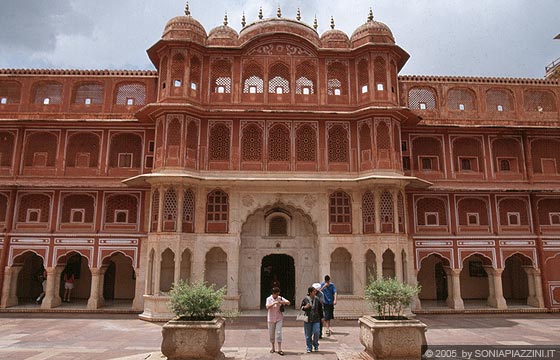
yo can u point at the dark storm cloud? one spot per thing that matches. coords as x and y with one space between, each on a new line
34 25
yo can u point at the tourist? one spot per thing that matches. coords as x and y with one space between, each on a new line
329 301
313 309
321 298
275 305
43 280
68 285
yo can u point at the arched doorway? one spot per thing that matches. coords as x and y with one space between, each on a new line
119 280
29 281
433 281
475 286
76 265
515 283
278 270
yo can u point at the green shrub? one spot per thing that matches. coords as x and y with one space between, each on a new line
389 297
195 301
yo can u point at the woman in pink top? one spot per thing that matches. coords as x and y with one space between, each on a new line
275 317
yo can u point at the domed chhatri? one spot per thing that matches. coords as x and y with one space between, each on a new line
334 38
223 35
372 32
185 27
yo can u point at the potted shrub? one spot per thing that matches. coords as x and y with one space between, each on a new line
197 332
390 334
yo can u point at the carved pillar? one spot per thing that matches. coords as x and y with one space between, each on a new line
177 269
157 273
496 298
416 303
360 276
379 264
377 203
9 291
180 201
96 299
233 271
138 301
454 300
535 274
394 194
531 298
52 296
399 271
161 191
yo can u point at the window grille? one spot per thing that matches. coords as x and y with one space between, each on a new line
125 143
279 143
92 93
368 212
279 76
131 94
548 149
121 203
221 76
252 143
306 78
47 90
6 148
278 226
170 210
337 78
363 76
340 208
10 91
539 100
386 212
400 207
468 207
253 79
380 74
421 98
34 201
84 146
174 133
499 100
365 138
457 98
219 143
78 201
163 72
41 143
306 143
155 210
513 208
217 207
3 207
188 211
431 205
383 138
195 73
177 69
338 144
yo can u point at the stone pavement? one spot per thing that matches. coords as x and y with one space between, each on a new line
124 337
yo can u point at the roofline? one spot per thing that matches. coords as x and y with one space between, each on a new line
78 72
481 79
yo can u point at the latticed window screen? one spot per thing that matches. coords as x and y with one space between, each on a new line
47 90
539 100
125 143
77 201
499 100
472 205
279 143
468 147
219 143
393 71
163 71
131 94
306 143
34 201
337 78
400 207
3 207
368 212
6 148
546 208
365 137
423 98
124 202
431 205
279 79
174 133
252 143
386 209
338 144
155 209
513 206
83 146
253 79
43 143
460 99
380 74
383 138
397 140
340 208
11 90
306 78
177 69
545 149
217 206
170 205
195 73
221 76
88 94
188 210
363 76
192 139
278 226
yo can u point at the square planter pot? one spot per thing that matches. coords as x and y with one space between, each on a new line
392 339
183 340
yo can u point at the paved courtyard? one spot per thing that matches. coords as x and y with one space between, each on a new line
124 337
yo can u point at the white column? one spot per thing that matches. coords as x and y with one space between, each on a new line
52 296
96 299
233 271
360 276
157 273
496 299
532 297
454 300
399 265
177 269
9 291
379 263
538 287
138 301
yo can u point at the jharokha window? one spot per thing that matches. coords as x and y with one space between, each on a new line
340 214
217 209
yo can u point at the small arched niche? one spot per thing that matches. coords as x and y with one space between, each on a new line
278 222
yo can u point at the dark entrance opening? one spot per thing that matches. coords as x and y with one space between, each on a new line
278 270
441 282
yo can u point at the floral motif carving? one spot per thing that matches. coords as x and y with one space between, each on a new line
247 200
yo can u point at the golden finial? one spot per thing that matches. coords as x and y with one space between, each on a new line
279 12
187 10
243 23
298 15
332 22
260 13
370 16
225 19
315 23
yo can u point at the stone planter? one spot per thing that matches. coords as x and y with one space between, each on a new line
392 339
183 340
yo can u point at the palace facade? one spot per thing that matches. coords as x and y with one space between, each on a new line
278 154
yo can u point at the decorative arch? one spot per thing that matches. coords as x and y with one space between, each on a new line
340 213
63 253
14 259
88 93
341 269
337 78
83 150
216 267
46 93
130 93
461 99
499 100
125 151
279 78
279 143
253 76
422 98
108 254
41 149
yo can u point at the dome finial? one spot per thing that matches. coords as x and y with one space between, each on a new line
332 22
243 22
370 16
260 13
279 12
298 15
315 22
225 19
187 10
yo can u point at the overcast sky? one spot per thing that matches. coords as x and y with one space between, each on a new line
505 38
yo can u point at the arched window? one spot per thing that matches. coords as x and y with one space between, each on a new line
192 143
195 73
363 76
121 209
431 211
278 226
546 156
217 212
461 100
279 79
41 149
6 148
253 79
368 212
252 143
34 208
337 78
47 92
380 77
88 94
422 98
386 212
219 143
188 211
338 144
221 77
340 213
125 151
170 210
306 144
306 78
77 208
539 100
155 210
83 150
10 92
279 143
131 94
177 71
498 100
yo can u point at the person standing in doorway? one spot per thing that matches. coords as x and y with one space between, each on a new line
275 316
313 309
329 301
43 279
68 285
